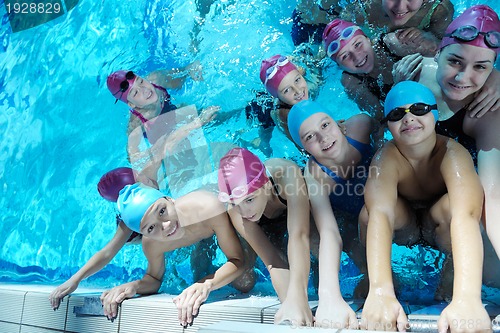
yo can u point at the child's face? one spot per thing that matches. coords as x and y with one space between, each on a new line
412 129
161 223
142 93
321 136
401 11
357 56
293 88
251 207
463 70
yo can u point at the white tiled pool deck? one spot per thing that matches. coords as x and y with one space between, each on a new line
25 308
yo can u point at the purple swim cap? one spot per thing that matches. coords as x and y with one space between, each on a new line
481 18
240 173
119 84
273 70
112 182
338 34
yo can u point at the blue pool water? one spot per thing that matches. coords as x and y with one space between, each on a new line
61 129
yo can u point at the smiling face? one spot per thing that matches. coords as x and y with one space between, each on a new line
293 88
251 207
463 70
160 222
321 136
401 11
357 56
412 129
142 94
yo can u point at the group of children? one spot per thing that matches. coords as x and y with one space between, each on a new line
420 187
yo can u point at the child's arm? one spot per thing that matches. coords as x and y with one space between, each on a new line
295 307
466 202
381 310
149 284
191 298
268 253
93 265
332 309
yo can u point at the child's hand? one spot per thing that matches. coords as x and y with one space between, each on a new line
383 312
487 98
57 295
111 298
464 316
188 303
410 36
295 313
335 313
208 114
407 68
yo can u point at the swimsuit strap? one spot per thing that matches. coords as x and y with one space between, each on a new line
138 115
363 148
275 187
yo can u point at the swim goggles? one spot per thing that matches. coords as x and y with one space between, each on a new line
124 84
468 33
240 191
347 33
271 71
418 109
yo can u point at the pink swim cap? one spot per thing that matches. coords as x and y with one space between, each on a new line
480 17
119 84
337 32
112 182
273 70
240 173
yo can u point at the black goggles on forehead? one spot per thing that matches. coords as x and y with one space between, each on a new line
125 84
468 33
418 109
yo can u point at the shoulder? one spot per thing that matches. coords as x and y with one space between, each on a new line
281 168
152 248
360 127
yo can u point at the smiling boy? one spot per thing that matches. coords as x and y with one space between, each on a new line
434 174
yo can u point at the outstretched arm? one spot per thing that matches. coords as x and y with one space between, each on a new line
332 309
191 298
268 253
381 311
149 284
93 265
295 307
460 178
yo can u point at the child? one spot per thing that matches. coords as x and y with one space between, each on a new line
466 86
265 200
109 186
167 224
421 170
335 175
410 26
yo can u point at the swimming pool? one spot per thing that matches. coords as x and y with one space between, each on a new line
61 130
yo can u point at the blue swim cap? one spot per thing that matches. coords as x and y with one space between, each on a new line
299 113
133 202
409 92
